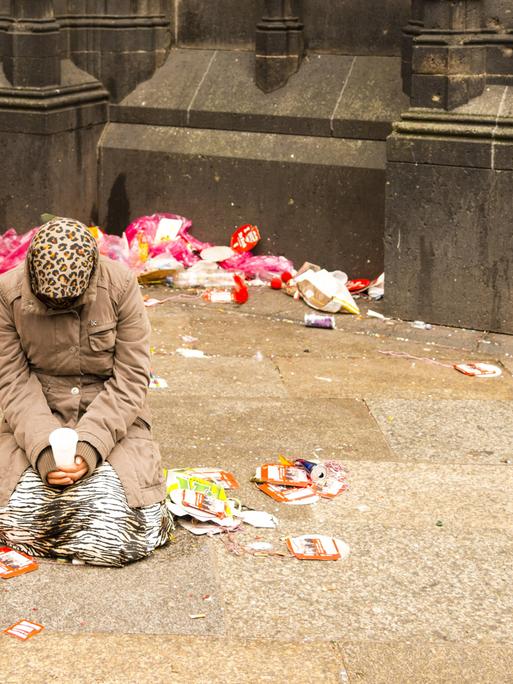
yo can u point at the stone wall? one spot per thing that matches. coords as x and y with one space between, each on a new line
337 26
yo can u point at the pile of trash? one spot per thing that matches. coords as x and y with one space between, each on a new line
301 482
197 497
161 248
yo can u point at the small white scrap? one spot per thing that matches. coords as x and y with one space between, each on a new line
260 546
217 254
191 353
258 518
376 314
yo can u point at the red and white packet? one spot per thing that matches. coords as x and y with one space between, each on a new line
318 547
23 630
14 563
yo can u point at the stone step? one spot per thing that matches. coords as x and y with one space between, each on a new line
345 96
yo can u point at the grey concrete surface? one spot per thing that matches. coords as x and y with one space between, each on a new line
425 594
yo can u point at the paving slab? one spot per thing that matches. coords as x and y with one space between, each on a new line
387 377
248 430
427 663
154 596
412 495
122 659
218 377
464 431
400 582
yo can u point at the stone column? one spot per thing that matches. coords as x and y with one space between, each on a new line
32 47
120 42
448 251
279 45
51 116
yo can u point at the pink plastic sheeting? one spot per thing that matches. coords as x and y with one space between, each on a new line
186 248
126 248
13 248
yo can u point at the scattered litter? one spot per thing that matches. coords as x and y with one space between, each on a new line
189 339
377 288
282 475
260 546
291 495
405 355
363 508
157 382
200 499
216 254
23 630
439 523
14 563
302 481
323 290
318 547
420 325
376 314
318 321
323 379
258 356
152 301
479 370
198 616
199 528
358 286
245 238
191 353
258 518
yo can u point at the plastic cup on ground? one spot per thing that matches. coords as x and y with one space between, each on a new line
64 446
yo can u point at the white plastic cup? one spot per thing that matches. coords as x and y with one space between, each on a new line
64 446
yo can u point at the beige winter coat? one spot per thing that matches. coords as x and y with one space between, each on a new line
87 368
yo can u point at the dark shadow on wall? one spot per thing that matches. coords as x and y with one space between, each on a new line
118 213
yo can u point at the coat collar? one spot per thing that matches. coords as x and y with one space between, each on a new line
31 304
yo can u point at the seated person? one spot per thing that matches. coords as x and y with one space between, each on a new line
74 352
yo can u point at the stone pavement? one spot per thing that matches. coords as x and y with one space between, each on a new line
415 602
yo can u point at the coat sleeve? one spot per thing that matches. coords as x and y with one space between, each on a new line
22 400
116 407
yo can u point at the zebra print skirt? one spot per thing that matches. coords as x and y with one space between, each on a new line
89 521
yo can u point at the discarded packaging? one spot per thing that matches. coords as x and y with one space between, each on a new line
282 475
318 321
377 287
157 383
318 547
317 471
479 370
245 238
23 630
199 498
357 286
258 519
216 254
220 477
291 495
14 563
420 325
324 291
376 314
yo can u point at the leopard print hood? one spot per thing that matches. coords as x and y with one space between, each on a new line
61 259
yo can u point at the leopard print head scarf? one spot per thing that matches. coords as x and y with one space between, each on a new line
61 260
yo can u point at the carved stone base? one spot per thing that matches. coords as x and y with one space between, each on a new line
448 251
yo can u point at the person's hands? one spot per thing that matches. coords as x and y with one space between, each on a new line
67 475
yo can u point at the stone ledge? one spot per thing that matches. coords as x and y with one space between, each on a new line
331 96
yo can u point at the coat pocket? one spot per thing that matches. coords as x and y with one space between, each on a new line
103 337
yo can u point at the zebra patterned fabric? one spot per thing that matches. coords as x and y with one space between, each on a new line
89 521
